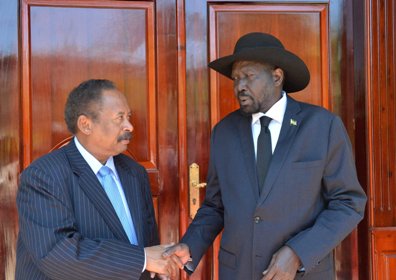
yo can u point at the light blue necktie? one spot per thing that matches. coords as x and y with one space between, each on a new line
114 195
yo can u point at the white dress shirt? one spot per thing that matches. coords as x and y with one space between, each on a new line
95 166
276 113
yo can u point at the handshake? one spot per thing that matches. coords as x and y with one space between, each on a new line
166 260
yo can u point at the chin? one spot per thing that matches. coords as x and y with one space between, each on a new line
119 150
248 111
123 148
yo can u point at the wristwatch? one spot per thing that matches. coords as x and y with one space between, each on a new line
189 267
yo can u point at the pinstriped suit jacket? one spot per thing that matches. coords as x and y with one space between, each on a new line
68 228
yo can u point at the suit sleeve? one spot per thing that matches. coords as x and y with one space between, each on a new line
51 239
345 202
209 219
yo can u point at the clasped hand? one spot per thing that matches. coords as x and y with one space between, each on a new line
166 260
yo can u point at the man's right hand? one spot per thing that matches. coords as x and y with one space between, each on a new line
180 253
155 262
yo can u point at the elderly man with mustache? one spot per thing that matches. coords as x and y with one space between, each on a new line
85 210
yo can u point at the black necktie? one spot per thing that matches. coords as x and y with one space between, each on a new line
264 150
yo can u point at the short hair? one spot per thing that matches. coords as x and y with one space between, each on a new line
81 100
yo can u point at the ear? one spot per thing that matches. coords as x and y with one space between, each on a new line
84 124
278 77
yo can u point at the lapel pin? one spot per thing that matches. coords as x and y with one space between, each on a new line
293 122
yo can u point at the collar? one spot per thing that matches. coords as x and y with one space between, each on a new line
92 161
276 112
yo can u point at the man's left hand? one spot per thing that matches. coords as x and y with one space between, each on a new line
283 266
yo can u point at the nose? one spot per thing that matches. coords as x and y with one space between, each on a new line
239 85
128 126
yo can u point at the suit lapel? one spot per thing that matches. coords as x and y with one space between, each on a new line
289 129
90 184
245 134
130 186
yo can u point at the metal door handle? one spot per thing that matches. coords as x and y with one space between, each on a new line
194 187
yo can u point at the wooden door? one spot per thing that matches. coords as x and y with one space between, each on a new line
66 42
381 115
315 31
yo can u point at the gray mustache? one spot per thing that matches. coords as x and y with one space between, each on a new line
125 136
243 94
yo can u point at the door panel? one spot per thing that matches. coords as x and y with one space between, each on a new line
384 253
113 43
381 112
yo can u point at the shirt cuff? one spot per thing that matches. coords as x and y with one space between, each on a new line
301 269
144 266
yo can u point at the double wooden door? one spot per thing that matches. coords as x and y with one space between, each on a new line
157 53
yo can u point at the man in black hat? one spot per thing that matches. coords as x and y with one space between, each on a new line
282 183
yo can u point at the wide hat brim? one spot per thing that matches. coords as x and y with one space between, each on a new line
296 72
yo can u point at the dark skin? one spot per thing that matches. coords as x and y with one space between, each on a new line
257 86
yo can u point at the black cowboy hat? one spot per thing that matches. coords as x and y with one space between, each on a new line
266 48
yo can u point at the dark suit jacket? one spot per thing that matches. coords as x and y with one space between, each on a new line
310 201
68 228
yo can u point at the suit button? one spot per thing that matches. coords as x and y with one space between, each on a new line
257 219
